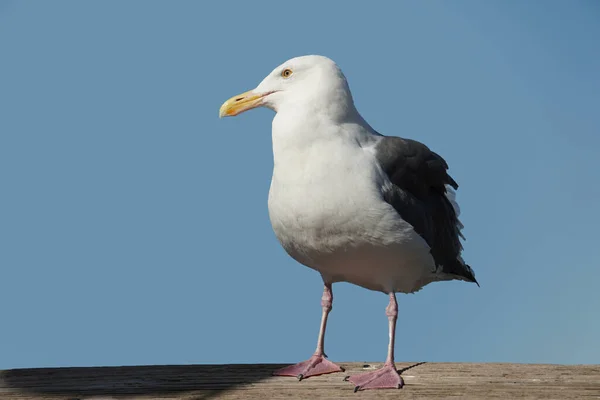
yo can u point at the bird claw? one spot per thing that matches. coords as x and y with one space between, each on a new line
316 365
386 377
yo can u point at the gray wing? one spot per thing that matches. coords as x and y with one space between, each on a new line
419 195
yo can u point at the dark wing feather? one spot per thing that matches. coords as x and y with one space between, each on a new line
419 178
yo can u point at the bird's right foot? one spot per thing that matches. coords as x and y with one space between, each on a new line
314 366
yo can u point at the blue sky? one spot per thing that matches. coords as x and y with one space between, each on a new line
133 222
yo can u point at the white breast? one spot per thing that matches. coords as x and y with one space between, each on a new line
310 202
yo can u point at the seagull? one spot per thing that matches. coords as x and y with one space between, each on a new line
376 211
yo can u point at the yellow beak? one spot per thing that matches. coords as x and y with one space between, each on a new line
240 103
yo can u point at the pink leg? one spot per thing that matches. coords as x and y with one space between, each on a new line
386 377
317 364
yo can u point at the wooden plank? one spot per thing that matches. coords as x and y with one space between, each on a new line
254 381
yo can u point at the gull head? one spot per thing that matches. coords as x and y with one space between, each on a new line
310 83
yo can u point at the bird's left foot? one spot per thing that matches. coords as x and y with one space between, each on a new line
316 365
386 377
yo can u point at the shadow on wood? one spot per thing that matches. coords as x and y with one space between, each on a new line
79 383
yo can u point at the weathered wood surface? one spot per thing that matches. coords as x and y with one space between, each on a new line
254 381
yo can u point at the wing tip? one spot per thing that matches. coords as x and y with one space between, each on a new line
470 275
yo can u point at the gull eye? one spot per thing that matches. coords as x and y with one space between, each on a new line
286 73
